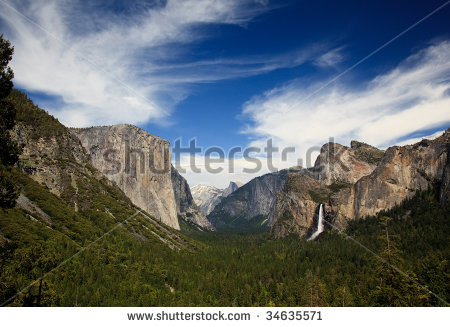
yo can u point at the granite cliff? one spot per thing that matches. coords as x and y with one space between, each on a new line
352 182
359 181
340 163
138 162
62 196
402 171
296 205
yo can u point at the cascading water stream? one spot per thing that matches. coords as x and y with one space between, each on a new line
319 224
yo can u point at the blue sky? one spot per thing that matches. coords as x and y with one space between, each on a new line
235 73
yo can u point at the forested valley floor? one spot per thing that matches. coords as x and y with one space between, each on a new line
232 269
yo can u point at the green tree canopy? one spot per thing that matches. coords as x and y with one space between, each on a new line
9 150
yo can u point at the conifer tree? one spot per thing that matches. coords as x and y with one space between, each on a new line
396 287
314 291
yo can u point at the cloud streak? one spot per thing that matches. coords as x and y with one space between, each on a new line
330 58
411 98
109 67
392 108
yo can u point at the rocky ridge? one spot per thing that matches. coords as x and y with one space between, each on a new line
402 171
359 181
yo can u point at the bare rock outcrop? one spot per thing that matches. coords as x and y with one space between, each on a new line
51 160
340 163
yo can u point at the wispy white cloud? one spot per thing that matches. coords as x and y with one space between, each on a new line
418 139
231 68
411 98
107 67
330 58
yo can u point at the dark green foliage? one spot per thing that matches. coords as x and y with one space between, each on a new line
318 196
395 288
35 261
419 230
31 245
240 223
8 192
369 154
8 155
39 123
9 150
338 185
6 73
187 226
225 269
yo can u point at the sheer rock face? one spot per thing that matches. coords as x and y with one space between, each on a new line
445 186
340 163
233 186
186 207
254 199
357 182
402 171
445 183
138 162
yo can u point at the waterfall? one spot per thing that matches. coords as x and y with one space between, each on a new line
319 224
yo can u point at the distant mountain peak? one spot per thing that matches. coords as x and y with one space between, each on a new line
207 197
233 186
